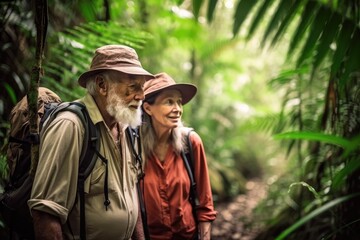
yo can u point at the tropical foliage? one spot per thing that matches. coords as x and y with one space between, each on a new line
209 43
320 102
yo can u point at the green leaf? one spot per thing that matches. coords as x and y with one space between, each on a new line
309 187
340 177
316 29
313 136
342 45
315 213
259 16
196 7
88 10
287 20
10 92
279 14
306 18
328 36
242 10
211 9
287 75
80 41
352 63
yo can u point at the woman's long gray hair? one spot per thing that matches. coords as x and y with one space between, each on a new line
149 138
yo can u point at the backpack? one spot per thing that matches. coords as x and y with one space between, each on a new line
17 190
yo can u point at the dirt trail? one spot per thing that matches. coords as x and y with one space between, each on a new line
234 220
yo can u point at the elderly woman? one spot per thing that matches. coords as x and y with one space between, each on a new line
166 185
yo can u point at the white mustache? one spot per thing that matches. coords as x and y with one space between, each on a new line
135 103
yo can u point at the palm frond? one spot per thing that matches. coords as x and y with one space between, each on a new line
326 39
316 30
307 16
353 58
242 11
258 17
277 17
287 20
342 45
196 7
73 55
211 9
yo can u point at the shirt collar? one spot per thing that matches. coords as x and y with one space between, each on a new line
92 108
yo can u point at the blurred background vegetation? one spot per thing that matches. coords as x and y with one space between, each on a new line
278 92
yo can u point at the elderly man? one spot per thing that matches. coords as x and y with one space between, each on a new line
114 86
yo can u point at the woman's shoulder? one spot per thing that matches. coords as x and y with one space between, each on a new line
192 134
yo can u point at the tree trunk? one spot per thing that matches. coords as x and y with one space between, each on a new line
41 23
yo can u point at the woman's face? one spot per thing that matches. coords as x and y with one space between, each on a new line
167 109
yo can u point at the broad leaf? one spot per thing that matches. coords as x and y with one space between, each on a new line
316 29
211 9
313 214
342 45
353 59
328 36
306 18
340 177
196 7
279 14
242 11
259 16
313 136
287 20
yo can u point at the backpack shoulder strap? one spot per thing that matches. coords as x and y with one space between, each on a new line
91 137
88 157
189 153
91 140
89 152
133 135
189 164
134 138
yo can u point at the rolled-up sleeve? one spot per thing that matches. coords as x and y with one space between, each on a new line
55 183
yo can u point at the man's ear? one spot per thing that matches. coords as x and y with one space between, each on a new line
101 84
147 108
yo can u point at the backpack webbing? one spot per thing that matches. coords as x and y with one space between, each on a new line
132 135
188 158
88 155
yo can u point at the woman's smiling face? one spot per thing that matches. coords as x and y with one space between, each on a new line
167 109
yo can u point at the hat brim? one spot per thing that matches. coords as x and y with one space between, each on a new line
187 91
133 70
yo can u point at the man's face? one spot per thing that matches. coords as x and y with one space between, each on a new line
125 98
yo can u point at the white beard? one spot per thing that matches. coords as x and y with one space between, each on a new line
122 112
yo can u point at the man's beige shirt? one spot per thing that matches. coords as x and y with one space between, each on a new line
55 184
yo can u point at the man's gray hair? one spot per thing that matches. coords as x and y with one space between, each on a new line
91 83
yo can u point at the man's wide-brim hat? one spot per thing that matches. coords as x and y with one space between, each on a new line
115 57
163 81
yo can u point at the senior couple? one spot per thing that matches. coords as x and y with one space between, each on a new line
120 93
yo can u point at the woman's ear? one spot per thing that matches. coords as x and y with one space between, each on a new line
147 108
